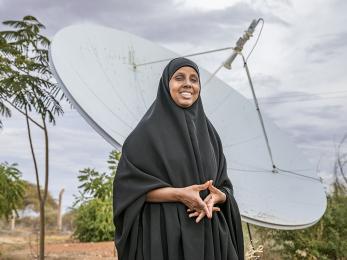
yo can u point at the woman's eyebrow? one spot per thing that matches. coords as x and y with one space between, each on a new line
184 74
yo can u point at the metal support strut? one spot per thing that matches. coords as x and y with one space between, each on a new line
250 236
274 169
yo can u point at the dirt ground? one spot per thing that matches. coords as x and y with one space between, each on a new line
23 245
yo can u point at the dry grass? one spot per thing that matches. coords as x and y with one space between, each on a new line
23 244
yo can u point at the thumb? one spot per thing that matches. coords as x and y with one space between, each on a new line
204 186
213 188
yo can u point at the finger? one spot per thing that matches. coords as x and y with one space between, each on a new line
216 209
210 209
194 214
205 208
200 217
208 212
203 186
210 203
212 187
189 210
208 197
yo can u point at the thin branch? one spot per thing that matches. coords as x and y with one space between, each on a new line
33 155
46 159
24 114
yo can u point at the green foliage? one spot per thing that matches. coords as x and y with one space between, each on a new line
325 240
95 185
25 77
6 51
94 221
11 189
94 217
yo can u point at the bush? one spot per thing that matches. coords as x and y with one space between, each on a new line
94 221
93 206
11 189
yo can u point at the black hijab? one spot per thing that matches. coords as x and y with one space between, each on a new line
173 147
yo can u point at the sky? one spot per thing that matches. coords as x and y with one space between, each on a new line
298 70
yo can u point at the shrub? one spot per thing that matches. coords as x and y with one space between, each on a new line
94 221
93 206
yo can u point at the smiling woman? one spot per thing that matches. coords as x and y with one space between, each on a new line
185 86
173 199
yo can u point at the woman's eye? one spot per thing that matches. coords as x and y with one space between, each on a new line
179 78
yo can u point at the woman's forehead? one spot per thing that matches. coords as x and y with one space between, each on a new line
186 70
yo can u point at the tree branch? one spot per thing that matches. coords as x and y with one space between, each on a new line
24 114
33 155
46 158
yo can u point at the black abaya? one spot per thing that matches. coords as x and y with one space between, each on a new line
173 147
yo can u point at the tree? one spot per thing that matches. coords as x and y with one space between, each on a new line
94 221
7 52
31 202
59 215
27 86
11 189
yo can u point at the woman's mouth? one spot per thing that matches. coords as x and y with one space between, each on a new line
186 94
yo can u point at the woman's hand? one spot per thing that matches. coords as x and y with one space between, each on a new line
190 196
201 214
215 197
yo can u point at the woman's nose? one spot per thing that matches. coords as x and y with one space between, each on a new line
188 83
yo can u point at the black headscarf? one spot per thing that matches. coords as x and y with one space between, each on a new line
173 147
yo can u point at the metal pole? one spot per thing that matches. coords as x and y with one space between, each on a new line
185 56
274 170
250 236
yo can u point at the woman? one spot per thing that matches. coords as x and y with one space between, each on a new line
172 196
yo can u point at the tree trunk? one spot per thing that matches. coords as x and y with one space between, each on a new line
42 231
45 192
42 199
59 215
13 220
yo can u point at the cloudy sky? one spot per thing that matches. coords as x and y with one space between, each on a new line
298 69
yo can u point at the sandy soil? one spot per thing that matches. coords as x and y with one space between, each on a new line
23 245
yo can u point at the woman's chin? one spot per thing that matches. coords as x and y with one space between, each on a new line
185 104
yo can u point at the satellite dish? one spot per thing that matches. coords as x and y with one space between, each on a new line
94 67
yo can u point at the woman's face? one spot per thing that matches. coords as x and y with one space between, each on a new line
184 86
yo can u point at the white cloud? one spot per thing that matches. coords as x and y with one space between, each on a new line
206 5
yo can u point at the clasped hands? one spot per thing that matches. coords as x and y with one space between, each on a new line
190 196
